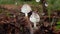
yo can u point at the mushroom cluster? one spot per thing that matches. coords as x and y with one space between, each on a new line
34 18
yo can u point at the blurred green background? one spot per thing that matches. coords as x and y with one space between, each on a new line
53 4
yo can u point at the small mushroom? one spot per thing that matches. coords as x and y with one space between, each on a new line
46 4
26 9
37 0
34 18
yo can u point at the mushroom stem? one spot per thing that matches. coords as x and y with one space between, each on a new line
26 14
28 23
34 25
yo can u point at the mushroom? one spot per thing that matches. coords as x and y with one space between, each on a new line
34 18
26 9
37 0
46 4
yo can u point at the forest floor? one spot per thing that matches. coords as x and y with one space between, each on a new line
6 10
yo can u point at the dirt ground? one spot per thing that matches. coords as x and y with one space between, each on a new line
15 23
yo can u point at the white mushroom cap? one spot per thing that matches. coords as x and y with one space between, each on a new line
46 4
34 17
26 8
37 0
